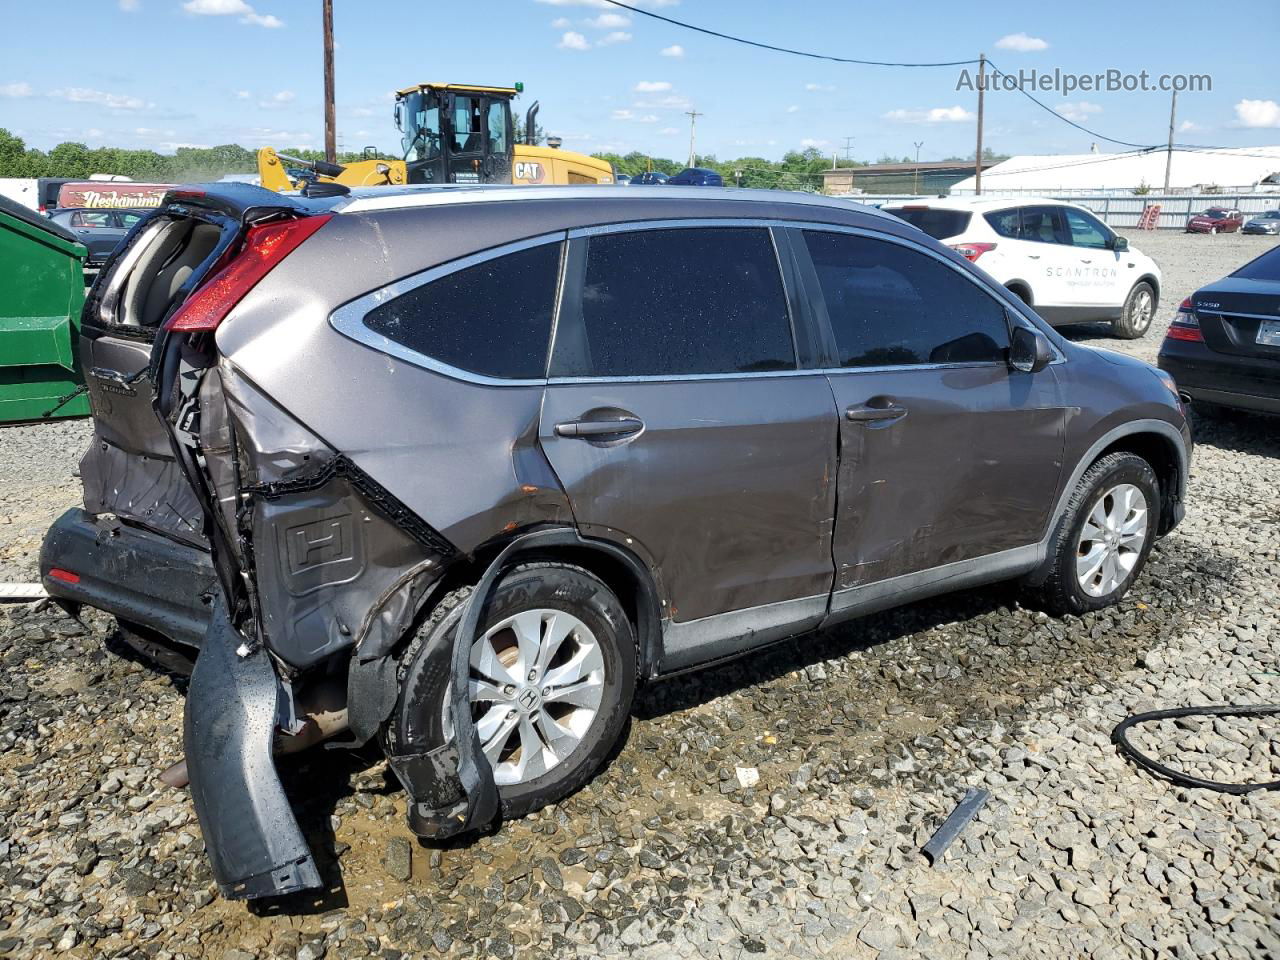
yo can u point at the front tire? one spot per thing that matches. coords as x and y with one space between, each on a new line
1137 313
553 674
1103 539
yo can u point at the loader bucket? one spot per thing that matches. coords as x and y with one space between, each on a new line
42 276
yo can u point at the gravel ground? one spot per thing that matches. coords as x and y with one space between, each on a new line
771 807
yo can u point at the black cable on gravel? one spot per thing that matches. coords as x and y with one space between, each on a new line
1119 736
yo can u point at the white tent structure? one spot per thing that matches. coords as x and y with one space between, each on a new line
1237 169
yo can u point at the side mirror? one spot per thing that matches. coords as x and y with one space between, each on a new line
1119 244
1029 351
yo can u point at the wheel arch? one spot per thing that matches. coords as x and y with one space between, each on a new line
622 570
1155 287
1022 290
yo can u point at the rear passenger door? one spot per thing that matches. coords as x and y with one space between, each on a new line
947 456
1047 242
680 426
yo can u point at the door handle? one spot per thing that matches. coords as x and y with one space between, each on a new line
1033 256
1082 260
864 413
589 429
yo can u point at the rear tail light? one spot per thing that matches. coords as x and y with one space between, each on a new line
972 251
66 576
1185 325
264 249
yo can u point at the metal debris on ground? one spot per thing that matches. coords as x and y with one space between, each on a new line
965 811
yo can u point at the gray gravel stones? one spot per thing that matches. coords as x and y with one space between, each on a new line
861 740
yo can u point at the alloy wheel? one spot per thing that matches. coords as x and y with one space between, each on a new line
537 681
1112 539
1143 309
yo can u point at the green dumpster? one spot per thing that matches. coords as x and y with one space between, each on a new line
41 294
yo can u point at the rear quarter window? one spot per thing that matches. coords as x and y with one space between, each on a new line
939 224
1265 267
493 318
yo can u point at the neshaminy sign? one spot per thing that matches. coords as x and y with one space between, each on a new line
112 194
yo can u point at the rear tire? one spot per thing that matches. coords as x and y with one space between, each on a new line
1094 554
574 741
1137 313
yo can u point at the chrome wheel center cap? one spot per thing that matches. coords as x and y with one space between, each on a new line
529 699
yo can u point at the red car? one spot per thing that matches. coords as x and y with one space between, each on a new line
1216 220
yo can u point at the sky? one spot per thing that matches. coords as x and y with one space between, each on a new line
161 74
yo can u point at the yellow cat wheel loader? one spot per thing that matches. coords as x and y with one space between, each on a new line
449 133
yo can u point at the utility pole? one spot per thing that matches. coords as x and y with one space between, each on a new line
848 148
693 116
977 157
330 151
1168 158
915 174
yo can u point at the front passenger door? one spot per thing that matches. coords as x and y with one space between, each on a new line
946 455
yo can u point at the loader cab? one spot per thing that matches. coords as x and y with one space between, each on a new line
455 133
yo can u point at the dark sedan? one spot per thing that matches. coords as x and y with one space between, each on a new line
1223 347
1264 223
1216 220
696 177
99 230
650 179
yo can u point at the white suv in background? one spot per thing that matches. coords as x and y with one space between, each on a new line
1058 257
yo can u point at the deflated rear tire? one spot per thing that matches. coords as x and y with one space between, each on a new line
1103 538
553 673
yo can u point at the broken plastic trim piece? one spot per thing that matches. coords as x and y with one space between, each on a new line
255 846
964 811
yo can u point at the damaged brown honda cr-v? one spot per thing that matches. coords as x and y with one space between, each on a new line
483 460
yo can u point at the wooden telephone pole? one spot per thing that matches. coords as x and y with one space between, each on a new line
330 148
977 156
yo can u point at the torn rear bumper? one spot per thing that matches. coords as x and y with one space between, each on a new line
130 573
253 840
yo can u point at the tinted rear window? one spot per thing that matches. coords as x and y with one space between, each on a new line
1265 267
939 224
493 318
680 302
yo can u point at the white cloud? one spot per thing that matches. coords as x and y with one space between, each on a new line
1021 43
617 36
819 87
936 115
793 109
1258 113
572 40
634 117
652 86
1077 112
609 21
810 142
15 90
562 23
668 131
1187 126
129 6
231 8
675 50
112 101
277 100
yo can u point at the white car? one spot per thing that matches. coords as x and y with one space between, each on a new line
1059 258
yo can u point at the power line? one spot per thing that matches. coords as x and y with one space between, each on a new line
776 49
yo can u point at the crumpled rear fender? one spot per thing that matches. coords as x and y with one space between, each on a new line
253 840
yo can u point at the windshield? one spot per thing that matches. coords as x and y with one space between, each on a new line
1215 212
418 116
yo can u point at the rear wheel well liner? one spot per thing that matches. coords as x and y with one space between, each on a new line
621 570
1022 290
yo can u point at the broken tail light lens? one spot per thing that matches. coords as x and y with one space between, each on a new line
264 248
972 251
1185 325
